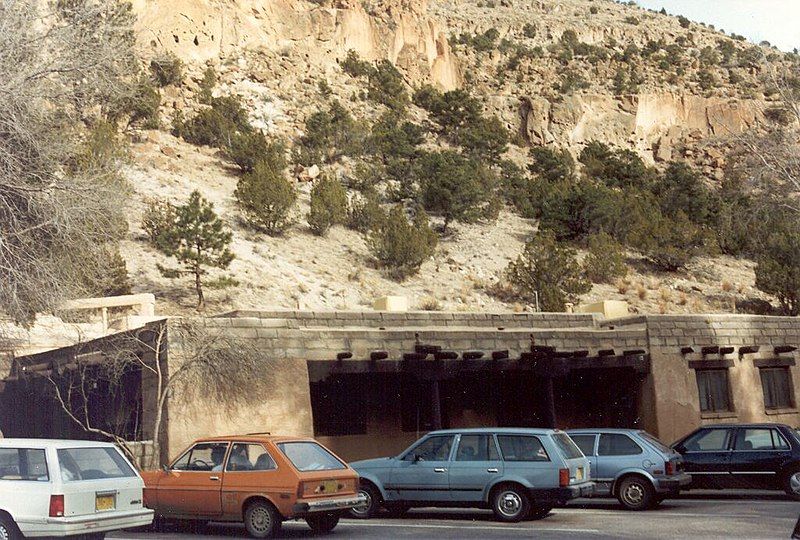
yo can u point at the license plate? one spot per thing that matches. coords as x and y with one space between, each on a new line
330 486
579 474
104 502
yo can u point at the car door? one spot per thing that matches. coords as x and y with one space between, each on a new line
421 473
193 484
706 456
475 464
616 452
757 456
587 442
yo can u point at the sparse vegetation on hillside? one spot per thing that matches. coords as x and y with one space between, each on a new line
399 246
266 196
328 204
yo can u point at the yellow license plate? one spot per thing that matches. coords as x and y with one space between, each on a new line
104 502
330 486
579 474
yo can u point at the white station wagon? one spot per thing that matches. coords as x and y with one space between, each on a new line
66 488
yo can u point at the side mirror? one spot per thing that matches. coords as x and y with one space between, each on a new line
165 468
417 458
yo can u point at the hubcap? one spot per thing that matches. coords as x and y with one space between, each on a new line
794 482
260 519
509 503
633 494
362 510
4 534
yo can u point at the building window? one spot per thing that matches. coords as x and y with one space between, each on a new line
712 386
777 385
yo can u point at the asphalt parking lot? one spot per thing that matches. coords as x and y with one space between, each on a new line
714 515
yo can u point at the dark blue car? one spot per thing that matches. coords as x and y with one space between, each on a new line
743 456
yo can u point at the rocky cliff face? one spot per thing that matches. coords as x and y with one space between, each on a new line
209 30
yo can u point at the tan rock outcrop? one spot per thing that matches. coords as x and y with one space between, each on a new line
201 30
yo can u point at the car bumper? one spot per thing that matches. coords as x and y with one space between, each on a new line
562 495
329 505
673 483
70 526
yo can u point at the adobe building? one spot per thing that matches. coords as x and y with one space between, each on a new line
369 383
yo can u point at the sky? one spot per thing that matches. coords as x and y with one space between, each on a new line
776 21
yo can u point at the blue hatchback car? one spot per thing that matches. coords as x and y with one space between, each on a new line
518 473
631 465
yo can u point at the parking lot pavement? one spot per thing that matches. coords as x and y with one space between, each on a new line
749 516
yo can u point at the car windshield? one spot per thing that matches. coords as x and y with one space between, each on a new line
655 442
310 456
92 464
566 446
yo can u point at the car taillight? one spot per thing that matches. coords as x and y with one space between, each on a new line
669 468
56 506
563 477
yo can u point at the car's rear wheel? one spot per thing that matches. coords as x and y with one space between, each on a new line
8 529
636 493
323 523
510 503
539 512
261 520
373 502
791 483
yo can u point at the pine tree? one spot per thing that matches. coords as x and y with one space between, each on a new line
328 205
198 239
399 246
266 197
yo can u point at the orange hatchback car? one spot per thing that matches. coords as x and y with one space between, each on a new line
260 480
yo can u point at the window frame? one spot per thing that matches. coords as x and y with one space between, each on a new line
491 440
538 438
631 439
410 451
46 464
251 443
191 449
698 372
792 403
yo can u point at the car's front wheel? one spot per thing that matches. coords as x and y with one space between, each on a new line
636 493
372 505
8 529
323 523
791 483
261 520
510 503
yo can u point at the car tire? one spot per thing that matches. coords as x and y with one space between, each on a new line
261 520
636 493
791 483
510 503
539 512
8 529
323 523
373 502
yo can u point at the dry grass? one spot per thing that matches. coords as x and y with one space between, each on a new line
665 295
727 286
641 291
682 299
430 303
623 286
662 308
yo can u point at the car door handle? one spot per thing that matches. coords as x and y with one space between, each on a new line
215 478
492 469
439 469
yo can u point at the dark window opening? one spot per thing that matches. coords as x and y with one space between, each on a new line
416 405
339 405
777 386
713 390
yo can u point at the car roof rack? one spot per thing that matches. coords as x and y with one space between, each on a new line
260 433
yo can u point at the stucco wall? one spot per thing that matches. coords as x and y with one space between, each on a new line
675 392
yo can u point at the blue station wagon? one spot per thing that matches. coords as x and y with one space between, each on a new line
518 473
631 465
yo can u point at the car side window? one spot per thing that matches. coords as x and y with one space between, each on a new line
708 440
759 439
202 457
522 448
617 444
250 457
23 464
585 443
436 448
477 448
